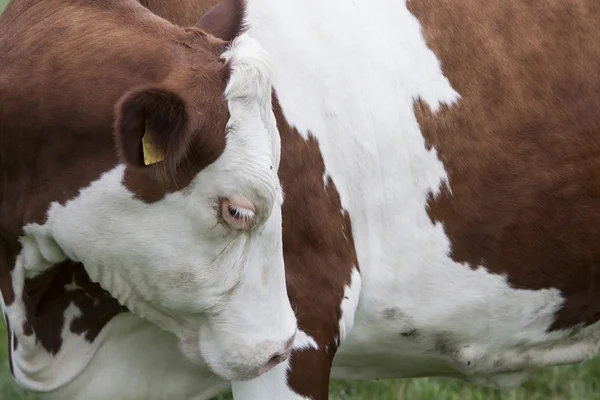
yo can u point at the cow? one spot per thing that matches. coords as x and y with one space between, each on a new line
138 173
439 163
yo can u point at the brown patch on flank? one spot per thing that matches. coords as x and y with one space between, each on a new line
319 255
522 146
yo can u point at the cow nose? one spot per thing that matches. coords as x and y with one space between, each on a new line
278 357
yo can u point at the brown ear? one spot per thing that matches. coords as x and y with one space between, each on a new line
152 126
225 20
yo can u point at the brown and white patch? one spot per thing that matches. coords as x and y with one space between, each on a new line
319 257
522 147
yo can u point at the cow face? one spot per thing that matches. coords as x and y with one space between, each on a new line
202 152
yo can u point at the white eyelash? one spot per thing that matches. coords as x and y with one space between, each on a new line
240 213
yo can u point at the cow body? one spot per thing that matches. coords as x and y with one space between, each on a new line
463 143
439 164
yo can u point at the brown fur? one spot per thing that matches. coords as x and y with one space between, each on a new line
64 66
181 126
180 12
319 255
522 147
225 19
47 300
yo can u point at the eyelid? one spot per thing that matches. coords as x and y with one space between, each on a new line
238 214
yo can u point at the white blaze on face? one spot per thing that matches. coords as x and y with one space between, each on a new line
257 312
179 262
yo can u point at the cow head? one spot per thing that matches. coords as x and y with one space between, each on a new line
201 148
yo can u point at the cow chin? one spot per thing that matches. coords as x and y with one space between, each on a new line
231 364
238 355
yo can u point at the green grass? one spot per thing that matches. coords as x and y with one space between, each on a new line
578 382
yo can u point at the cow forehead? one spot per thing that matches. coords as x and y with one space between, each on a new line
229 106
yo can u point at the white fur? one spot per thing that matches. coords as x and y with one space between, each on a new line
220 291
349 304
349 73
250 86
135 360
304 341
34 368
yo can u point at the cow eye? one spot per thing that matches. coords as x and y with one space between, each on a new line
239 216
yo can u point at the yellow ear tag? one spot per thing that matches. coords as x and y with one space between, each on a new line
151 153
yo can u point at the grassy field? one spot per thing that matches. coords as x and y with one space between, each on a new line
581 382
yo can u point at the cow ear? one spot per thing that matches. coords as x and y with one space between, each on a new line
151 127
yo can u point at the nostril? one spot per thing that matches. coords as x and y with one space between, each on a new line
279 357
276 359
